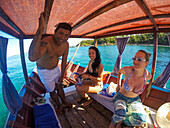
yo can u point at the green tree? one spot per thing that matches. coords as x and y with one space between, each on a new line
134 39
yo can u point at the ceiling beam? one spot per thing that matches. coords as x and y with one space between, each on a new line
8 30
162 16
100 11
122 30
139 27
127 21
72 36
117 24
134 32
127 33
9 21
115 33
142 4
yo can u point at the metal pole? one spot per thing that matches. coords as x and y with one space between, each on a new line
153 62
23 61
95 42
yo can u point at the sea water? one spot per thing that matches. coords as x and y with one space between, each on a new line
109 55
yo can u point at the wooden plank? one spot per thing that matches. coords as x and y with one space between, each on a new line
66 82
73 67
35 80
32 91
36 84
27 97
30 121
25 115
15 124
153 102
76 114
72 119
75 70
98 116
21 115
27 105
105 112
112 79
161 95
168 99
69 80
100 11
62 119
90 120
80 69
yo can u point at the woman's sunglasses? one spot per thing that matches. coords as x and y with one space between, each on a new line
138 59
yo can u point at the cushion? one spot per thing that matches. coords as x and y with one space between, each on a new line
44 117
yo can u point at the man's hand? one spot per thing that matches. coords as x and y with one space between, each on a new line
41 21
60 80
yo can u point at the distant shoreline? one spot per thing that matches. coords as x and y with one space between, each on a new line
127 44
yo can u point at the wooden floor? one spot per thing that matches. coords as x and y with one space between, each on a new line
91 116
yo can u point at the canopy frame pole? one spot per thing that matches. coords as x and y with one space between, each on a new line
47 11
22 55
168 39
95 42
155 50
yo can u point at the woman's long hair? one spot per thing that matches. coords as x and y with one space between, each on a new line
97 60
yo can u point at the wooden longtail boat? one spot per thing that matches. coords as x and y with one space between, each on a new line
90 19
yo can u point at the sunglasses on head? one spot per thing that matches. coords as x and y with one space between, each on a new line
138 59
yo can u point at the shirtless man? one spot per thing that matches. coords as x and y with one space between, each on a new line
46 53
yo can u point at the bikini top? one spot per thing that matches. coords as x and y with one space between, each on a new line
95 74
127 88
90 70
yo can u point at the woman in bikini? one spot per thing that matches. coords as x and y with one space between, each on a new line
92 78
128 107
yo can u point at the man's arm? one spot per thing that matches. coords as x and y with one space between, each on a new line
37 48
63 64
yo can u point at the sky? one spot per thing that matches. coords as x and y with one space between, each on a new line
13 44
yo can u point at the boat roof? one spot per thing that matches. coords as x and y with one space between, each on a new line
89 18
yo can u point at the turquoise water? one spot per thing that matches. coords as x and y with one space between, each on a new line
108 55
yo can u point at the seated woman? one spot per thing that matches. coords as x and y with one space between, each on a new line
92 78
128 107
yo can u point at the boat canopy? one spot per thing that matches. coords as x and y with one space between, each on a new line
89 18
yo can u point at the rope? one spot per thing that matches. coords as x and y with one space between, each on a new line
72 57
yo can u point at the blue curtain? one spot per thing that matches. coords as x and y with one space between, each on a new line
121 44
10 95
163 78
